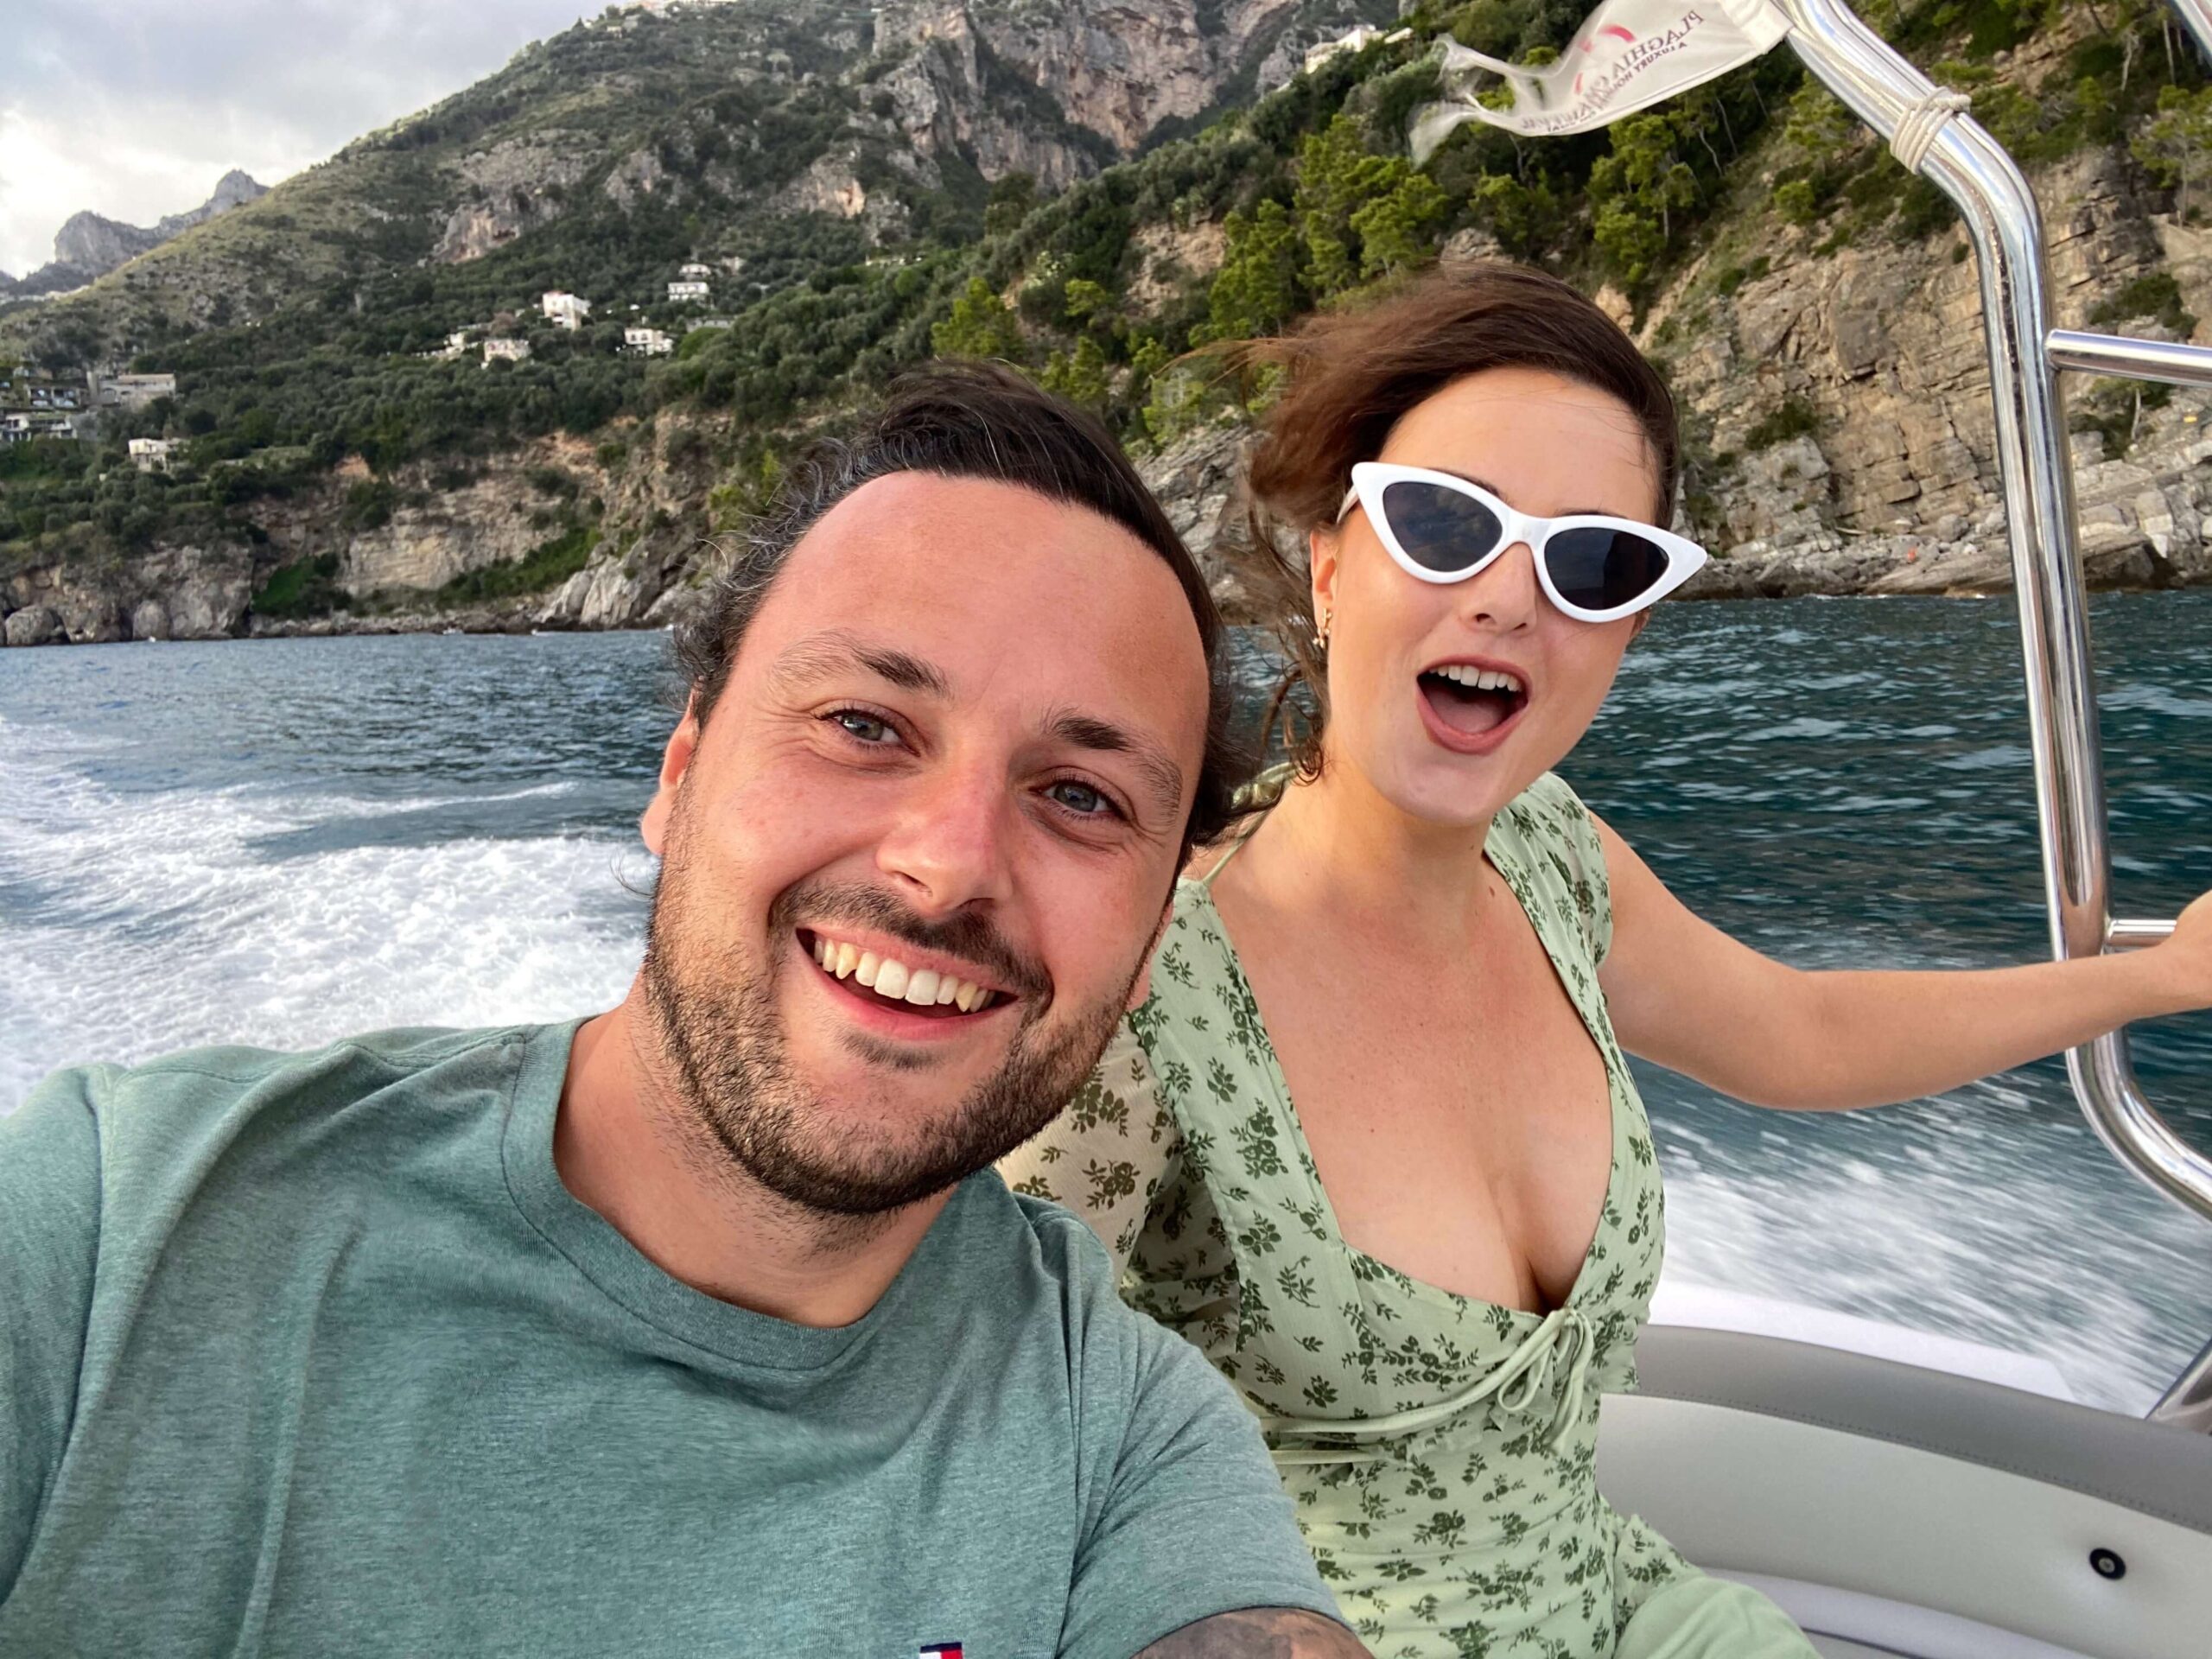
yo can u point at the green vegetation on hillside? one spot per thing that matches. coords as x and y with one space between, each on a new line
1304 198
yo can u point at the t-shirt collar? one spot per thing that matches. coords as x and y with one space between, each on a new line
737 1335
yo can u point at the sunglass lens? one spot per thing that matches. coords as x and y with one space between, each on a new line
1601 570
1440 530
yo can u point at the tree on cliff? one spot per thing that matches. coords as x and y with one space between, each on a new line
2174 146
979 326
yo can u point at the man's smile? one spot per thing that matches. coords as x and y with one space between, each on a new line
913 983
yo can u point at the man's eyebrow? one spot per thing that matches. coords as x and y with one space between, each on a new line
834 650
1163 778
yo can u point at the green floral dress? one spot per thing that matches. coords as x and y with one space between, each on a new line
1441 1450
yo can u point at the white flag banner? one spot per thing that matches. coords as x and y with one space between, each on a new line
1628 56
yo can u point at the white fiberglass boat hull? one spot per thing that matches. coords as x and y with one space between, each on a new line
1897 1510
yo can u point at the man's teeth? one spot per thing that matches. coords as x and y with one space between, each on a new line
887 976
1479 679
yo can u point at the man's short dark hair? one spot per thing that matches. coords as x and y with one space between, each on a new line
982 421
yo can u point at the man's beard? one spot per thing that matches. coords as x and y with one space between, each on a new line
721 1033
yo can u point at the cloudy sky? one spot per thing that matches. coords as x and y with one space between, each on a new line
134 108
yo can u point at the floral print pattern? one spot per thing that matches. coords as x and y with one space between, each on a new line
1442 1450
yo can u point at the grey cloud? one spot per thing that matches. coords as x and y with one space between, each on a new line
134 101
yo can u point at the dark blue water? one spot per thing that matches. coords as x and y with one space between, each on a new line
281 842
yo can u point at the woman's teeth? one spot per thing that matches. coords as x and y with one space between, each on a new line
889 977
1479 679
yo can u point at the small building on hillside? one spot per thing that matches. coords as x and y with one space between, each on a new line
647 342
682 292
1356 39
565 310
135 390
22 425
153 454
36 389
505 351
695 272
696 323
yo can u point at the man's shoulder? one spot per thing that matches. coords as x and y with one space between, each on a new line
373 1059
162 1107
1066 1247
1063 1253
1107 1338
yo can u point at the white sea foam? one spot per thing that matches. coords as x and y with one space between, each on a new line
147 923
1960 1252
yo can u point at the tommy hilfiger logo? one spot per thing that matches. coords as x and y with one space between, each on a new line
940 1651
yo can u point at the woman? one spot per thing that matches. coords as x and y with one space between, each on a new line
1423 1273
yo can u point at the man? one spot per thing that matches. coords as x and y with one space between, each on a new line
693 1328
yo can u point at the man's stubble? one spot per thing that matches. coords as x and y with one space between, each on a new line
720 1034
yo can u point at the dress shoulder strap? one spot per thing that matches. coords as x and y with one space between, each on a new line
1255 799
1235 847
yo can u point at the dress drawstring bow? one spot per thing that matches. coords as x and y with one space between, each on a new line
1562 1342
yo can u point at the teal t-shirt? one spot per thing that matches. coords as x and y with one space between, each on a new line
315 1353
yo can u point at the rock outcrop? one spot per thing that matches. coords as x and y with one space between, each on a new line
1846 428
88 246
173 593
510 187
435 524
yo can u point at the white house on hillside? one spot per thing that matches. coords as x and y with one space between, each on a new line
565 310
649 342
679 291
695 272
509 351
22 425
1356 39
152 454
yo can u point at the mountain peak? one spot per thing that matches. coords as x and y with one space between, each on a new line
89 245
234 189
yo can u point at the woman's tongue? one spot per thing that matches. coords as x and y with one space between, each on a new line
1465 709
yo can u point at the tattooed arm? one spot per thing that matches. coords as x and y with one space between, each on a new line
1260 1633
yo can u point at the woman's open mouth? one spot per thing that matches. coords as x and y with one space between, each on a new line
889 983
1470 702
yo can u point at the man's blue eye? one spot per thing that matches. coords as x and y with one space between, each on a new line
866 728
1080 798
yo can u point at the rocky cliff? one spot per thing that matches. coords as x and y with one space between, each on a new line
87 246
1843 404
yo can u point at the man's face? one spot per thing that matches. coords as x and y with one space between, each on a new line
961 736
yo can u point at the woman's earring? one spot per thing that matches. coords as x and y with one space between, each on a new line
1321 633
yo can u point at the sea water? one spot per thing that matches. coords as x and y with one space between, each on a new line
281 842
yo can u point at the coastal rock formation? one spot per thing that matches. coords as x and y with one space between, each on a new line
1872 363
1837 422
174 593
431 524
645 581
35 625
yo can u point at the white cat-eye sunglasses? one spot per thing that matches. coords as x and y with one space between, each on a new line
1593 567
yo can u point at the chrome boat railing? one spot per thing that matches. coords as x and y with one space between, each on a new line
2197 17
1924 126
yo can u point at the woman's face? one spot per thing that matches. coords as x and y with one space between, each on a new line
1439 750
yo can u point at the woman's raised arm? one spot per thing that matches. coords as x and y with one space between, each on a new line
1685 994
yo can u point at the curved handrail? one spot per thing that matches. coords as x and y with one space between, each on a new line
2036 467
2197 17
